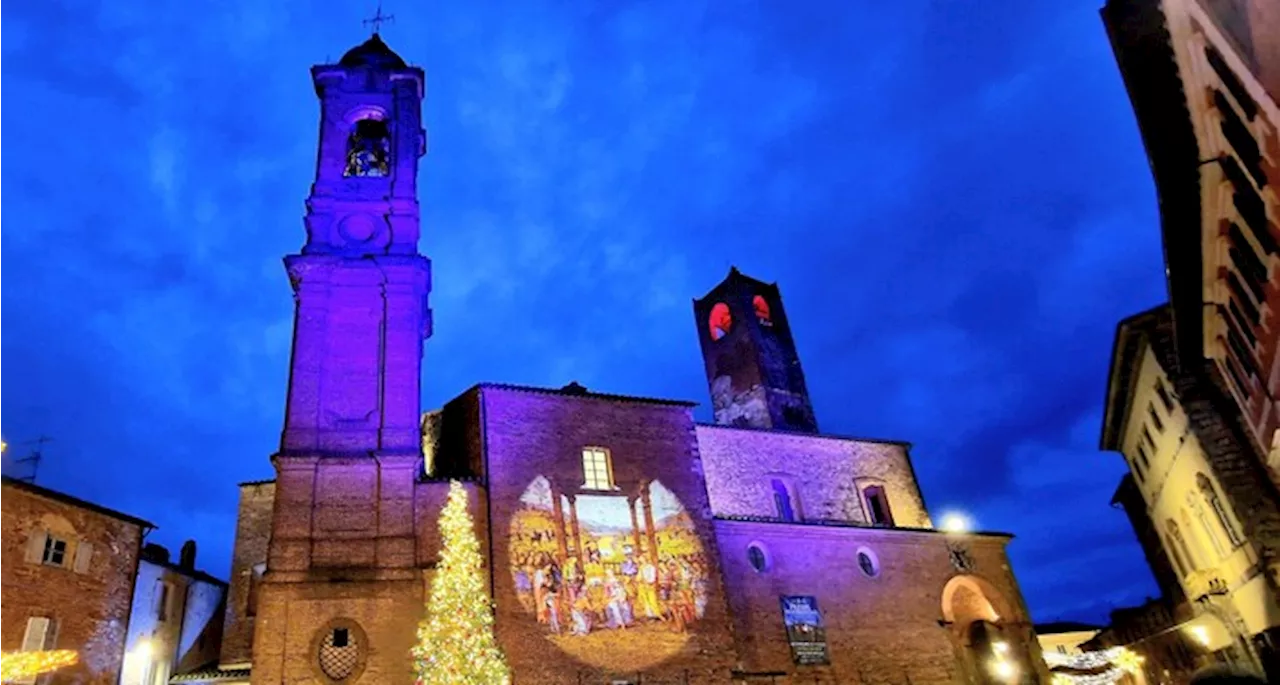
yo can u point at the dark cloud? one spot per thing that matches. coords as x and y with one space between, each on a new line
955 204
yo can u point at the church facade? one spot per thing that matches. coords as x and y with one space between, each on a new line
624 541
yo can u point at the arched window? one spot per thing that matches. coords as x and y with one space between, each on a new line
782 500
1219 509
369 149
1179 547
877 502
720 322
762 310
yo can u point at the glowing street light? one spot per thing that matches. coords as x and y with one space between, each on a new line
1201 634
956 522
1000 647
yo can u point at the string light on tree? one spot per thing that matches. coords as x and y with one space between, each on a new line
22 665
455 641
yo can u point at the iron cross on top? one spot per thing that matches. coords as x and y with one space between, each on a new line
376 20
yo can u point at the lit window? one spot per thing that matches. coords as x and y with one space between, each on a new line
762 310
597 471
782 500
55 551
878 505
720 322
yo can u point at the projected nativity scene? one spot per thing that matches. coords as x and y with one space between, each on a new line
595 565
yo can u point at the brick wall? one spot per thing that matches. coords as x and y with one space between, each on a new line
90 608
253 535
532 435
826 474
883 628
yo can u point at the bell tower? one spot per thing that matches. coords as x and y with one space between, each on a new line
751 362
361 286
342 579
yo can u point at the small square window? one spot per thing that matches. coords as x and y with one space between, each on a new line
55 551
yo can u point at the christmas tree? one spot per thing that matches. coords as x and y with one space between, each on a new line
455 640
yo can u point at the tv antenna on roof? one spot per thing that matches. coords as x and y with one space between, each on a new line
37 453
377 19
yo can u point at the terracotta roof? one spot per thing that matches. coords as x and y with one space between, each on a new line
74 501
575 390
211 674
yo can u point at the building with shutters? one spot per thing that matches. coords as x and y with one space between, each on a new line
1200 502
67 579
1204 80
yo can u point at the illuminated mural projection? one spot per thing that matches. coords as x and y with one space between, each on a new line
615 578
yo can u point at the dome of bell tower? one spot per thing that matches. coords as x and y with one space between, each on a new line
372 53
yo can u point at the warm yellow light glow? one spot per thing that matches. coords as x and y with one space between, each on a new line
21 665
956 522
1003 669
1201 634
1129 660
1000 647
143 649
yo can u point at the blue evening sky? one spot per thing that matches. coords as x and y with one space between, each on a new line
952 196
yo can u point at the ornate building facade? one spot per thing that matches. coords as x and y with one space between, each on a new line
623 540
1204 79
1200 503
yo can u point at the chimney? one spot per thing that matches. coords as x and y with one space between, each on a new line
156 553
187 557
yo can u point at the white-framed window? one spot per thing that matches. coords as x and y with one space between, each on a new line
41 634
56 551
597 469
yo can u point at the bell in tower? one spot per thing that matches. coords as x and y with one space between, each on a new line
751 362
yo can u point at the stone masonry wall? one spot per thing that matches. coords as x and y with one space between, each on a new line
825 474
90 608
253 536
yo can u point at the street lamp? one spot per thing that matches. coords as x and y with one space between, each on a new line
956 522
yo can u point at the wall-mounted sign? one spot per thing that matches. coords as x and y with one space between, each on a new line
804 630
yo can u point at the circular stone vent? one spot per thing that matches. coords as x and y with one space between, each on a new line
339 654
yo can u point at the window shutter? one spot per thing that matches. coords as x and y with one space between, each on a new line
84 553
51 634
35 546
33 639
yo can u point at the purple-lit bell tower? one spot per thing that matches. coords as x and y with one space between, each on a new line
342 570
360 284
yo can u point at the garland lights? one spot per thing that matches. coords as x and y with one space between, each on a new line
22 665
1116 662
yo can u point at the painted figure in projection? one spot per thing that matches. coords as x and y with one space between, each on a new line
601 568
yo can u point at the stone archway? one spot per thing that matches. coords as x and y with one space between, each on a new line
990 646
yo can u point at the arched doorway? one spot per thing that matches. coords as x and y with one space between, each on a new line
990 650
